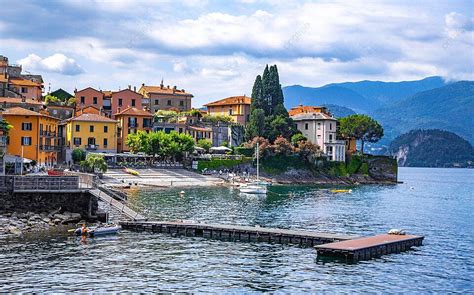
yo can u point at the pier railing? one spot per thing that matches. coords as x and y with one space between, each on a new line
45 183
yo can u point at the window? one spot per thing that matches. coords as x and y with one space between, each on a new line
181 103
120 102
330 126
91 141
24 90
306 126
105 142
106 129
330 137
319 126
230 112
78 128
133 102
169 102
26 126
180 130
77 141
25 140
157 102
55 112
83 99
94 100
91 128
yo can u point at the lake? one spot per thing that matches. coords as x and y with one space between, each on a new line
436 203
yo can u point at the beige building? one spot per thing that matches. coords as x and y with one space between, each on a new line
237 107
320 129
165 98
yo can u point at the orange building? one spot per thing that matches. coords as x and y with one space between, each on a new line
237 107
33 136
130 120
165 98
26 88
125 98
89 97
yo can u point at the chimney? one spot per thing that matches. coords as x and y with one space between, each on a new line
174 89
134 88
129 87
161 84
143 84
168 87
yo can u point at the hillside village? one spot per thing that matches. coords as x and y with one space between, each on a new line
47 127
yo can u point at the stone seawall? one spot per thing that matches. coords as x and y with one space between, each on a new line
79 202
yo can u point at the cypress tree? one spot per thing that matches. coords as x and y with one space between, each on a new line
257 94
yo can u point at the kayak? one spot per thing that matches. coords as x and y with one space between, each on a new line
98 231
341 191
131 171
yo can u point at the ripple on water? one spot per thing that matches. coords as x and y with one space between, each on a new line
439 206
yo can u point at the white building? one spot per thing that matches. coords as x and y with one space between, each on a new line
320 129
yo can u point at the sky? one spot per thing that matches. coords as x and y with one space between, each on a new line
215 49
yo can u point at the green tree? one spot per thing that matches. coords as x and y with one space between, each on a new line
297 137
78 155
256 125
50 99
94 163
360 127
5 127
205 144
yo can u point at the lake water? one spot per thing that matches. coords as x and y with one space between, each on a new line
436 203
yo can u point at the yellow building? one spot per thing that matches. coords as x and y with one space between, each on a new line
33 136
91 132
237 107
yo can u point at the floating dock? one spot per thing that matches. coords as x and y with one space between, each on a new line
237 232
369 247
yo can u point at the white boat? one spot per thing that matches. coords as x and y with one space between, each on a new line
256 187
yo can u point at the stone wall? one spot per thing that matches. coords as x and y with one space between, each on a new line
80 202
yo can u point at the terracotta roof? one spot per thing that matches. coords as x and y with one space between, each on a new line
233 100
92 118
164 90
18 111
19 100
306 109
312 116
134 112
23 82
86 89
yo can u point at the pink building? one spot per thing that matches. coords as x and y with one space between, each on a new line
125 98
26 88
89 97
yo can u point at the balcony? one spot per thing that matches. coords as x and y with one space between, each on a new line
48 133
49 148
92 147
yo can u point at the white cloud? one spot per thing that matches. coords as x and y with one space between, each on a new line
56 63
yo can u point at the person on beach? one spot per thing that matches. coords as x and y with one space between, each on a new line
84 229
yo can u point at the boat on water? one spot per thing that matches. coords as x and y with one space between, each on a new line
339 191
256 187
131 171
98 231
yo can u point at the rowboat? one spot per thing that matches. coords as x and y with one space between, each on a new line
98 231
55 172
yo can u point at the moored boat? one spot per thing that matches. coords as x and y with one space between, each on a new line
98 231
55 172
131 171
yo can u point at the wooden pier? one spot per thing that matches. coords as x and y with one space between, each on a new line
369 247
237 232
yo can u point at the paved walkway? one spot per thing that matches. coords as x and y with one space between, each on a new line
160 177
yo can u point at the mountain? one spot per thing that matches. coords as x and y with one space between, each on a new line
390 92
362 96
296 95
432 148
339 111
450 108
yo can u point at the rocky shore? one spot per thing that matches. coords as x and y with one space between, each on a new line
14 224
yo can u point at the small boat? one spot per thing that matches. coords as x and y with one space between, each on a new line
131 171
98 231
55 172
253 189
257 187
338 191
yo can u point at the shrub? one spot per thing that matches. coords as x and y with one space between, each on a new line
296 138
78 155
215 164
205 144
354 164
364 168
245 151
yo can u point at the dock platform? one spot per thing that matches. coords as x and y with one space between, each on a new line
237 232
369 247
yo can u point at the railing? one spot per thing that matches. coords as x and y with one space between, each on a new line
45 183
48 133
50 148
